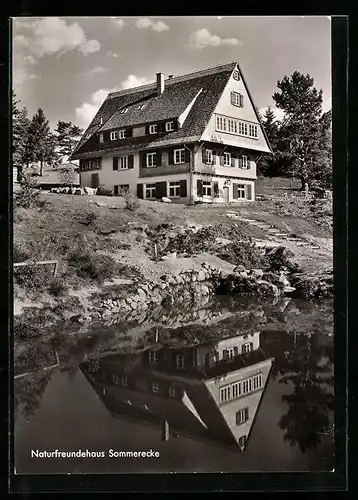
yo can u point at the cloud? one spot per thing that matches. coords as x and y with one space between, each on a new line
97 70
279 114
87 111
134 81
117 22
145 23
113 54
203 38
51 35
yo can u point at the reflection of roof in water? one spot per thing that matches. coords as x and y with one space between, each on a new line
196 413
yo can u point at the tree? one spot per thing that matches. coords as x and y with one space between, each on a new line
40 142
67 176
302 130
268 164
68 135
20 126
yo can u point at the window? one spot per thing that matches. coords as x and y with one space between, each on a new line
142 106
87 136
206 188
121 189
123 162
237 127
173 392
230 353
113 135
153 357
124 110
232 126
122 134
151 160
209 156
120 380
181 361
237 389
243 162
150 191
155 387
174 189
237 99
94 164
241 190
101 138
153 129
242 441
242 416
227 159
124 380
169 126
179 155
246 348
236 75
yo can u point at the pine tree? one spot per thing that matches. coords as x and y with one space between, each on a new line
20 126
41 142
301 131
68 135
268 164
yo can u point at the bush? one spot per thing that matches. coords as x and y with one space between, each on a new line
101 191
279 258
243 253
28 195
94 266
57 287
132 202
32 277
20 252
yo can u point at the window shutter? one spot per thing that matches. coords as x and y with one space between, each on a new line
222 158
251 346
232 161
129 132
243 349
115 163
158 157
203 155
115 190
236 351
160 189
130 161
214 156
246 414
187 156
199 187
216 189
235 191
142 159
232 98
240 162
183 190
248 191
241 100
140 191
176 125
171 156
161 127
147 129
225 354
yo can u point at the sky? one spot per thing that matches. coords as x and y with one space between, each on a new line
66 66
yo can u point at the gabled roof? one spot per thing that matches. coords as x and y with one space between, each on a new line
177 95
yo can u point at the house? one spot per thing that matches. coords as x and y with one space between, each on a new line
206 392
192 138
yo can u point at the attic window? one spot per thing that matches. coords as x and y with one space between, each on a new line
113 135
121 134
142 106
236 75
153 129
124 110
169 126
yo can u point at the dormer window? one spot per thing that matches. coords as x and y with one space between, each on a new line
113 135
121 134
236 75
124 110
153 129
141 106
169 126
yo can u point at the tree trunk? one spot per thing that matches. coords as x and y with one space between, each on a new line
41 168
304 178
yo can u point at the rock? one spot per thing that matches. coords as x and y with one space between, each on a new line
166 200
201 276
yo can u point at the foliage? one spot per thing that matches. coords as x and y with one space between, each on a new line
104 192
303 145
67 176
67 137
20 126
131 201
92 265
41 143
268 165
28 196
280 258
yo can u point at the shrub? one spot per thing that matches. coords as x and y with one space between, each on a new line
20 252
279 258
57 287
94 266
101 191
132 202
27 197
32 277
244 253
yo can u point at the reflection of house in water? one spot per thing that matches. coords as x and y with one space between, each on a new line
209 392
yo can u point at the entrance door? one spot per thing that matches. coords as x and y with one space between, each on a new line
95 180
226 194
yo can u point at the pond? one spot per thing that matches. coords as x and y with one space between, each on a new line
237 385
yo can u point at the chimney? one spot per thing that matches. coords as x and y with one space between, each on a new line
160 83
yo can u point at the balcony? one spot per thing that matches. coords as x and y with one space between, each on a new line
204 168
181 168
